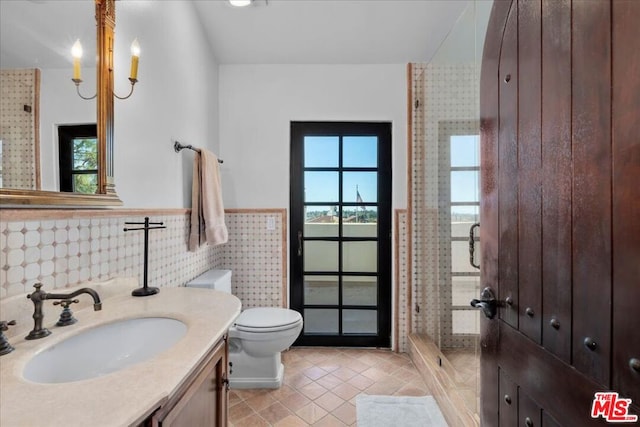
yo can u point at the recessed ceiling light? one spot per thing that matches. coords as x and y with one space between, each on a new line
240 3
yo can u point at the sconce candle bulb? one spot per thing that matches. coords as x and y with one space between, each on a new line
135 56
240 3
76 52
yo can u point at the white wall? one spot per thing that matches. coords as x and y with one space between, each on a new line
60 105
176 98
258 102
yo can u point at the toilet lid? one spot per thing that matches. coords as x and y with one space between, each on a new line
266 318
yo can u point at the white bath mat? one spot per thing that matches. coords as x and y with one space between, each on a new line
395 411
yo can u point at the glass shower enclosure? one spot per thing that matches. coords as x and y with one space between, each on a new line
445 202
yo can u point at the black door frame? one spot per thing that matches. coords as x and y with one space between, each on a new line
383 131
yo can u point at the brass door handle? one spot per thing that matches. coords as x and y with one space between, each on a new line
299 243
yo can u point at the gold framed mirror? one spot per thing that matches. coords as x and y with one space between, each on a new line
105 194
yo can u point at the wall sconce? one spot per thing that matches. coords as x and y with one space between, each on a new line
76 53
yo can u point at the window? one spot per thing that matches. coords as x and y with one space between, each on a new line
78 158
459 206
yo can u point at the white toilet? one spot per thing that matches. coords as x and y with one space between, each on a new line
256 338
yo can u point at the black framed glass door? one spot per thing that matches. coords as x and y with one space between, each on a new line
341 232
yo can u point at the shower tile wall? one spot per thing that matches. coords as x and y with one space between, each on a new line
19 90
64 248
445 93
403 280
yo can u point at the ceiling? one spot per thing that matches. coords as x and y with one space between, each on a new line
38 33
328 31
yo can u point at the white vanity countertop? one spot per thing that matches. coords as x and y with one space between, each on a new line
125 397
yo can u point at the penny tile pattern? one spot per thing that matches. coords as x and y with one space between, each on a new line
19 98
443 92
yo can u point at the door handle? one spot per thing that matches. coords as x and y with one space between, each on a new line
487 303
299 243
472 246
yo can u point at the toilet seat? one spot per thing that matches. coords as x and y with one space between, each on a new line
267 319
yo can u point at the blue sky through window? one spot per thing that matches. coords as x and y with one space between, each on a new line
323 151
465 152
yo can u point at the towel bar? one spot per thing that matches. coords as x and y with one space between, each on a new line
179 147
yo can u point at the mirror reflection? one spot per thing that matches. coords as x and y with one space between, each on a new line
39 104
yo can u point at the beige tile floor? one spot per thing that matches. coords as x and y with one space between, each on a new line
321 385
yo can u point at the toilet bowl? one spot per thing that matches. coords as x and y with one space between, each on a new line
256 338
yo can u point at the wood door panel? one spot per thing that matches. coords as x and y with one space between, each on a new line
560 124
556 387
548 420
529 166
529 413
591 135
508 171
556 177
508 397
626 199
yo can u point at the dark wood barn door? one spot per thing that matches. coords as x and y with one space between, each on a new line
560 210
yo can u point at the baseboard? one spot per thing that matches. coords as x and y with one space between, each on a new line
439 376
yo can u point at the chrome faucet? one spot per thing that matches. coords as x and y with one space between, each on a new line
39 296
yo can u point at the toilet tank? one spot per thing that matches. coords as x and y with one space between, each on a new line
219 280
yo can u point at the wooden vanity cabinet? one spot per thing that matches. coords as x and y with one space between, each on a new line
202 400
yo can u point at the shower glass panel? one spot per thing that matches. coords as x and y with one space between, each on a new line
446 194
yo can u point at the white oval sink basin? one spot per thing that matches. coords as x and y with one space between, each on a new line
104 349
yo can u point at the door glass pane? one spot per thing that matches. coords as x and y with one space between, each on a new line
465 150
360 187
360 151
465 186
321 221
360 256
321 187
460 257
359 222
320 290
321 151
359 290
464 289
465 321
320 320
320 256
462 218
359 321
